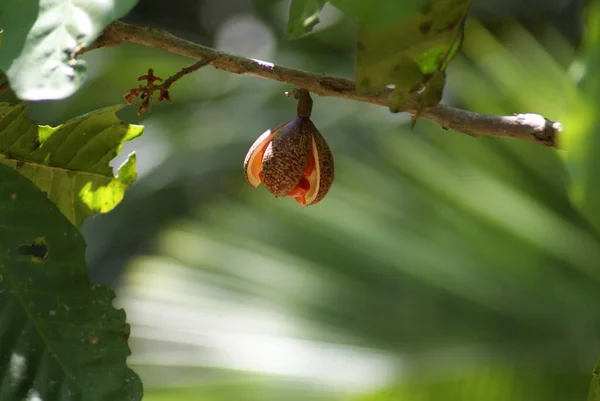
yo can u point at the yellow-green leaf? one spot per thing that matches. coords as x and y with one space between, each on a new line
70 163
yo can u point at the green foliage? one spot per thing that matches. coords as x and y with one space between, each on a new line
304 15
60 337
582 136
583 144
406 44
433 246
429 245
40 38
411 54
70 163
379 13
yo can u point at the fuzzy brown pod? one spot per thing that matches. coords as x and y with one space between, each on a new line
291 160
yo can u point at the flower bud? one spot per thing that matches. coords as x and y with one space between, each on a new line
292 160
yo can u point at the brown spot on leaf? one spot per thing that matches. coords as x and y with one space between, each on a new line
425 27
94 340
38 249
13 196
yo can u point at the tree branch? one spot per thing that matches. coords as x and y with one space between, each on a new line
530 127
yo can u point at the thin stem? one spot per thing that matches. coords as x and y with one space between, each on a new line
305 103
184 71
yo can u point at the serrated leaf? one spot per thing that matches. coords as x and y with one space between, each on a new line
60 337
412 54
70 163
304 15
41 36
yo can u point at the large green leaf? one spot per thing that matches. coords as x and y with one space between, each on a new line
41 36
411 54
70 162
582 127
60 337
304 15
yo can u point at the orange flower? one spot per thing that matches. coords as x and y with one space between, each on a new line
292 160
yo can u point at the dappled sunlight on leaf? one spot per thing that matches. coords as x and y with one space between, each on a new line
70 163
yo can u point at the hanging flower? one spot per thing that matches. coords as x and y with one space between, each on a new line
293 159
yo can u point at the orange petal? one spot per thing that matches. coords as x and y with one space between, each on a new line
314 178
253 160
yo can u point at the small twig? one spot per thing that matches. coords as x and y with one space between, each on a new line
530 127
146 92
184 71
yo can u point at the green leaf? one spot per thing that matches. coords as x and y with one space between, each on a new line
412 54
304 15
40 38
70 163
60 337
582 127
378 13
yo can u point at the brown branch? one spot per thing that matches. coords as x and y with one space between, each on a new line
530 127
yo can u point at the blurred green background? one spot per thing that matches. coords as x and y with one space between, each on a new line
440 266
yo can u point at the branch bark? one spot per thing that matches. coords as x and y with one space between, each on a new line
530 127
